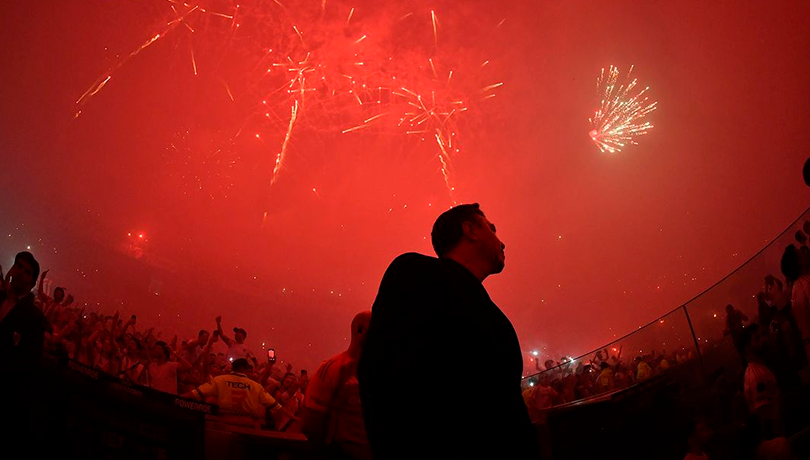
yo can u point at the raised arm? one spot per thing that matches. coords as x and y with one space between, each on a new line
225 338
41 287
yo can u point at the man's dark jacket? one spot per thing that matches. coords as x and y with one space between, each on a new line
441 368
22 333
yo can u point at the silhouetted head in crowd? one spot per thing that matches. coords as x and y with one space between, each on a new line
241 366
23 274
289 383
549 364
239 335
202 337
795 262
806 172
58 295
160 352
68 300
729 309
133 346
801 238
604 365
464 234
699 435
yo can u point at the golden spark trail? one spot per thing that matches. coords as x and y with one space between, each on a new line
283 152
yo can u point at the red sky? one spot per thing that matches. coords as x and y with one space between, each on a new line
596 244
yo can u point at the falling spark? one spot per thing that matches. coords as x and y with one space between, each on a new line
435 31
319 82
617 122
283 152
193 61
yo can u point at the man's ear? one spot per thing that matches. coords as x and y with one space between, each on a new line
470 230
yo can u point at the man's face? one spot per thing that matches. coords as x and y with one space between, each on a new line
157 353
290 383
203 338
240 338
58 295
491 249
22 277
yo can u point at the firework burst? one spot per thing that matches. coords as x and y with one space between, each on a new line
289 67
619 119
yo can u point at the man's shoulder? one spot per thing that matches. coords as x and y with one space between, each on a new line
26 311
334 365
414 258
412 262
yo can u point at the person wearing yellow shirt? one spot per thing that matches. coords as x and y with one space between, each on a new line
241 401
644 371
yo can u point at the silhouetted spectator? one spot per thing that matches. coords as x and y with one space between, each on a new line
760 388
425 311
241 400
22 336
699 436
22 325
734 321
332 411
236 346
795 266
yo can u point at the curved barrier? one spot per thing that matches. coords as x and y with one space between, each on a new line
685 364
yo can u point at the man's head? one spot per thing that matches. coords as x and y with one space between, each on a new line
241 366
795 262
729 309
58 295
202 337
773 287
360 327
239 334
133 345
289 382
160 351
464 231
23 273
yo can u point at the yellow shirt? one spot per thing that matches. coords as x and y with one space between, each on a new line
644 371
238 395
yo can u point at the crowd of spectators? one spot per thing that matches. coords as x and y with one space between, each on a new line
773 348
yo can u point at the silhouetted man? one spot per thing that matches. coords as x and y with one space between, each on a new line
22 325
22 333
332 413
431 314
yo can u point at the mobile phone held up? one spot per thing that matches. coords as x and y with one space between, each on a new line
271 355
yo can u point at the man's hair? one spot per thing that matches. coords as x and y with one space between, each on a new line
240 364
237 330
202 331
163 346
59 289
790 263
448 228
28 258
